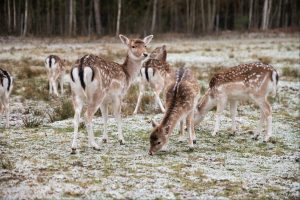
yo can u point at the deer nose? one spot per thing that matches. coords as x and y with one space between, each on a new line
150 153
145 54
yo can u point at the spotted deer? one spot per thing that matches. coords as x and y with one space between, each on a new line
253 81
98 82
181 100
56 71
155 73
6 85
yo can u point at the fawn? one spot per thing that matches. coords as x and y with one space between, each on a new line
99 82
181 100
253 81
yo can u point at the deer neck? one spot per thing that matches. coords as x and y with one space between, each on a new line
170 120
131 68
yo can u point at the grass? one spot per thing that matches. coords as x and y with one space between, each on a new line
290 72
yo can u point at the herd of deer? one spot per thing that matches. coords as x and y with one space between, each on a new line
97 82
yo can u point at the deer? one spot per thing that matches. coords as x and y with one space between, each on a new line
98 82
56 70
251 81
6 86
155 73
181 100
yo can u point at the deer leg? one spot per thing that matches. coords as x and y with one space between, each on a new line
193 128
189 124
181 132
141 92
260 125
104 112
158 101
78 104
268 117
233 112
220 108
117 112
7 111
50 86
61 84
54 85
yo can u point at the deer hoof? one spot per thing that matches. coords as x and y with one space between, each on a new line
104 140
121 142
194 141
73 151
96 148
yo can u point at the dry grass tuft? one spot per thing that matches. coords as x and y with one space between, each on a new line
290 72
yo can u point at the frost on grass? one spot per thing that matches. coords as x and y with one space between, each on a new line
36 162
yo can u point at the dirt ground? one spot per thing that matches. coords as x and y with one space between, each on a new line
35 159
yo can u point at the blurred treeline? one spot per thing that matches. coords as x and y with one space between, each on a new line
109 17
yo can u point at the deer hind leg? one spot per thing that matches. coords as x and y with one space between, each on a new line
141 93
233 112
189 124
104 112
220 108
78 104
268 118
117 113
181 131
260 125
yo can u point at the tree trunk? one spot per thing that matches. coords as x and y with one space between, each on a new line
250 14
202 16
118 17
9 16
269 13
278 14
70 16
15 15
97 16
25 19
154 16
265 13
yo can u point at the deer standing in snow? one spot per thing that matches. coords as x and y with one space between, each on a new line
6 85
99 82
181 101
252 81
56 70
156 73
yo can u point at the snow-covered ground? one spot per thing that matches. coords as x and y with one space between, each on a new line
36 162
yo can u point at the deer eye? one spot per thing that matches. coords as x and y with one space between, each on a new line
133 47
145 46
158 142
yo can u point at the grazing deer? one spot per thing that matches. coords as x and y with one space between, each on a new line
6 85
99 82
181 101
252 81
56 70
156 73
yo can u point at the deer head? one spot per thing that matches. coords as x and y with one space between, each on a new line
158 138
136 47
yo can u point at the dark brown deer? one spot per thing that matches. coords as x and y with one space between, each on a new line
181 101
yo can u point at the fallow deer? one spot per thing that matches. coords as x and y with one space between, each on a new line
6 85
181 100
156 73
253 81
55 70
99 82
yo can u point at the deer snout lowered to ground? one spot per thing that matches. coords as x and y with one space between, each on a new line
155 73
6 85
181 100
56 69
99 82
253 81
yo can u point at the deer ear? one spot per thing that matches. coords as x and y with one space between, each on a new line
124 39
164 47
148 39
154 123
